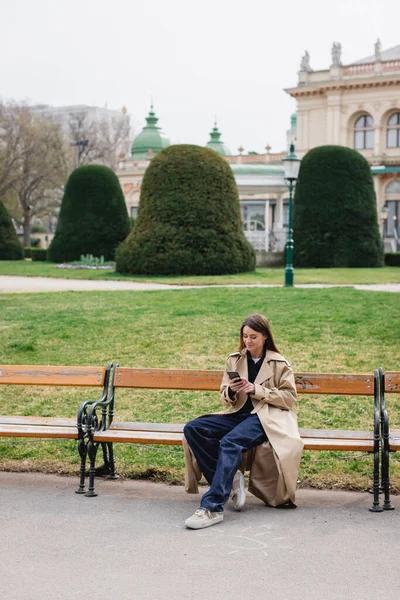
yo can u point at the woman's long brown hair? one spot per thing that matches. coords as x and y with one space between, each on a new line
258 323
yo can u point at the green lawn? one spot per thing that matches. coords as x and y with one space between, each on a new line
328 330
260 275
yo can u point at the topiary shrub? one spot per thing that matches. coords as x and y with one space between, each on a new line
10 246
189 218
335 221
93 217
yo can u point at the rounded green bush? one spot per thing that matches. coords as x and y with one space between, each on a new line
335 222
93 217
10 246
189 218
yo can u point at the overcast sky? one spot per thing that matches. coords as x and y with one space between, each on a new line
227 58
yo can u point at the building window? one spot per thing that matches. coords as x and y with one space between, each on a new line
393 131
364 133
392 201
134 210
253 216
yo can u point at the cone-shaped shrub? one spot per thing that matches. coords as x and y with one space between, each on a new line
335 221
10 246
189 218
93 217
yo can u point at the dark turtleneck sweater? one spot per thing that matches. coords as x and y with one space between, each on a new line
253 370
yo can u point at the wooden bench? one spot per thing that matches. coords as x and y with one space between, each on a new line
53 427
105 431
389 383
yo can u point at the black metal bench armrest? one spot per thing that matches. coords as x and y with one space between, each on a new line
82 418
93 423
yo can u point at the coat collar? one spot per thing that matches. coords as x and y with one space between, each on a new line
265 371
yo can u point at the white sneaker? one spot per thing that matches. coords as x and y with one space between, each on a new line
204 518
238 491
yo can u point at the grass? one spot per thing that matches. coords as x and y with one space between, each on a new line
273 276
327 330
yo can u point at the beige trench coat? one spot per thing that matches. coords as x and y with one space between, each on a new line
273 465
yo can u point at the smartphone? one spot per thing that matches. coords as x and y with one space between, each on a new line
233 375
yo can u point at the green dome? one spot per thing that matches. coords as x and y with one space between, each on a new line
150 138
216 144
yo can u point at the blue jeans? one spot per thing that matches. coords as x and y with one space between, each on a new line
217 442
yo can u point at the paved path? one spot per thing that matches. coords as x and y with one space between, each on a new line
130 543
16 284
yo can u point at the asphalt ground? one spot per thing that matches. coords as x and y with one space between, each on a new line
130 542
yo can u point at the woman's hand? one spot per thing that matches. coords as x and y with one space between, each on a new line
242 385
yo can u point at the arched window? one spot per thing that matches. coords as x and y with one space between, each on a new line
364 133
393 131
393 187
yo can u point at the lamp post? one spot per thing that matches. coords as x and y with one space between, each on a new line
384 216
291 165
80 147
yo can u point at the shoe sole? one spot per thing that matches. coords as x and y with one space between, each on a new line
204 524
239 499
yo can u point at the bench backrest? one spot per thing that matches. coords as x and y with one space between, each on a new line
190 379
44 375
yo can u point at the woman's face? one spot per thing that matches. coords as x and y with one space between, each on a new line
254 341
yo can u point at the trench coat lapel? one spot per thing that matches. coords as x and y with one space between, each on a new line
241 366
264 373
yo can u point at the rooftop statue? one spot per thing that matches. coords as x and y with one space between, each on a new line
305 62
378 50
336 54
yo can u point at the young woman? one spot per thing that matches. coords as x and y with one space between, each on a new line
259 390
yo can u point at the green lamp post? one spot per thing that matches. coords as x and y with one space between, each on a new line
291 165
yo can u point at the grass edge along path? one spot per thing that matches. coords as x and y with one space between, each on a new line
330 330
273 276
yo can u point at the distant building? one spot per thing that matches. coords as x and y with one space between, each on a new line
108 129
358 106
64 114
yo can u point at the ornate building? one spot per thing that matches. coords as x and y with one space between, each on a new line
357 105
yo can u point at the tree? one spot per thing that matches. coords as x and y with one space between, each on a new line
99 141
93 217
335 221
189 218
33 164
10 246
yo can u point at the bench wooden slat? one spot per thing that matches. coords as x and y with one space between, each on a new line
51 421
44 375
394 440
330 444
321 442
187 379
392 382
38 431
304 433
139 437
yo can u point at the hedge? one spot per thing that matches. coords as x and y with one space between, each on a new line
93 217
39 254
335 222
392 259
188 219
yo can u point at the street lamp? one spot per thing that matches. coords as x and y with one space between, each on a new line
80 147
384 216
291 165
